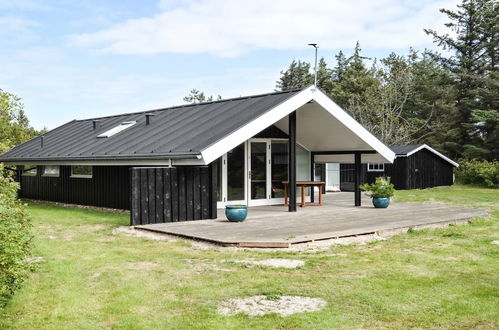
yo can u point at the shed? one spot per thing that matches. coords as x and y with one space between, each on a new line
416 166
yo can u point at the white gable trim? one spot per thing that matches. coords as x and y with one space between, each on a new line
283 109
354 126
427 147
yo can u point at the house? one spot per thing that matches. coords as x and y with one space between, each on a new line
182 163
416 166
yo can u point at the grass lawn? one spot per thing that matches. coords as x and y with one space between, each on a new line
439 278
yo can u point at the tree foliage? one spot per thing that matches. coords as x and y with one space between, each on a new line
15 238
196 96
14 124
448 101
473 47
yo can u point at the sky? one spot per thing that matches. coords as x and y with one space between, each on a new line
76 59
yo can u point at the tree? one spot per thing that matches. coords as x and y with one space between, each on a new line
473 62
14 124
196 96
296 76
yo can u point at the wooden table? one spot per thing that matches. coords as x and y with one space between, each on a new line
304 185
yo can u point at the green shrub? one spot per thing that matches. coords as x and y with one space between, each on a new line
477 172
380 188
15 237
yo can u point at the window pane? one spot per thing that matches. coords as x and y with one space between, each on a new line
235 174
51 170
218 163
258 170
30 170
279 167
81 170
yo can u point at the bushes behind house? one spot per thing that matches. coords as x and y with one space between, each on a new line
15 237
477 172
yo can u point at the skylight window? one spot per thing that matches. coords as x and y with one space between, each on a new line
115 130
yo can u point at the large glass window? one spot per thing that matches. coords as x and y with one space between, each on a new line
279 167
235 174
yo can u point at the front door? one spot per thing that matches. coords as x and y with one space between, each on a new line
259 171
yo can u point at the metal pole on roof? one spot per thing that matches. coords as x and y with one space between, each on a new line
316 46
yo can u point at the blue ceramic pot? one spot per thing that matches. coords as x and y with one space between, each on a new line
236 213
381 202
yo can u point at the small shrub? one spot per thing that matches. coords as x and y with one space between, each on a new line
15 238
380 188
477 172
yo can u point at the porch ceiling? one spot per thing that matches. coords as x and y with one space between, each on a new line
319 130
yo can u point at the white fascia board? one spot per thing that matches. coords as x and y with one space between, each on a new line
353 125
427 147
252 128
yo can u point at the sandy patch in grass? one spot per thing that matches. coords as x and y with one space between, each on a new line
143 265
143 234
34 260
47 236
262 305
274 263
496 242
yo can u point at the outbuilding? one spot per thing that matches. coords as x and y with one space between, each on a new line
182 163
416 166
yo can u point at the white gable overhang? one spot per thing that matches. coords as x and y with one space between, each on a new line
322 126
427 147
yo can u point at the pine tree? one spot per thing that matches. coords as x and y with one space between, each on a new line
296 76
474 65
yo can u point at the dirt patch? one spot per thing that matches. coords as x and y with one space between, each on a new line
262 305
495 242
47 236
144 265
143 234
274 263
34 260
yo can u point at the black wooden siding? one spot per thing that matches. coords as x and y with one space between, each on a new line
420 170
170 194
108 187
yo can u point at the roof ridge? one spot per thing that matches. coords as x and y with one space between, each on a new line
193 104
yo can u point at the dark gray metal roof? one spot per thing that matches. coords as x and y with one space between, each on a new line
403 150
180 131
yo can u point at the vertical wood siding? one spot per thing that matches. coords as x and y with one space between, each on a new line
109 187
170 194
421 170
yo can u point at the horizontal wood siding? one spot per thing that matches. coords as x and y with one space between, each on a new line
108 187
170 194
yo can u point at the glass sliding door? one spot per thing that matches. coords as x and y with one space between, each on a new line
279 167
259 171
236 174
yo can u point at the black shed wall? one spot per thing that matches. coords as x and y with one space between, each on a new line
108 187
420 170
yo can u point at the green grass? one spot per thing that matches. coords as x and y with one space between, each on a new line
439 278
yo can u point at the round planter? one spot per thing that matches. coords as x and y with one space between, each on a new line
381 202
236 213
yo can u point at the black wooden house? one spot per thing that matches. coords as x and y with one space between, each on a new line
182 163
416 166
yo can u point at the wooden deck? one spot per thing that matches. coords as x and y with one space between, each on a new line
273 226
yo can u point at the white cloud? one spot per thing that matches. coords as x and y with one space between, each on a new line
12 24
230 28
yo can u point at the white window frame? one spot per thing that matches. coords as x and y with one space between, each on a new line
84 176
115 130
55 175
371 167
29 172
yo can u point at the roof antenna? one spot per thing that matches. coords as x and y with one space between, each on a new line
316 46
